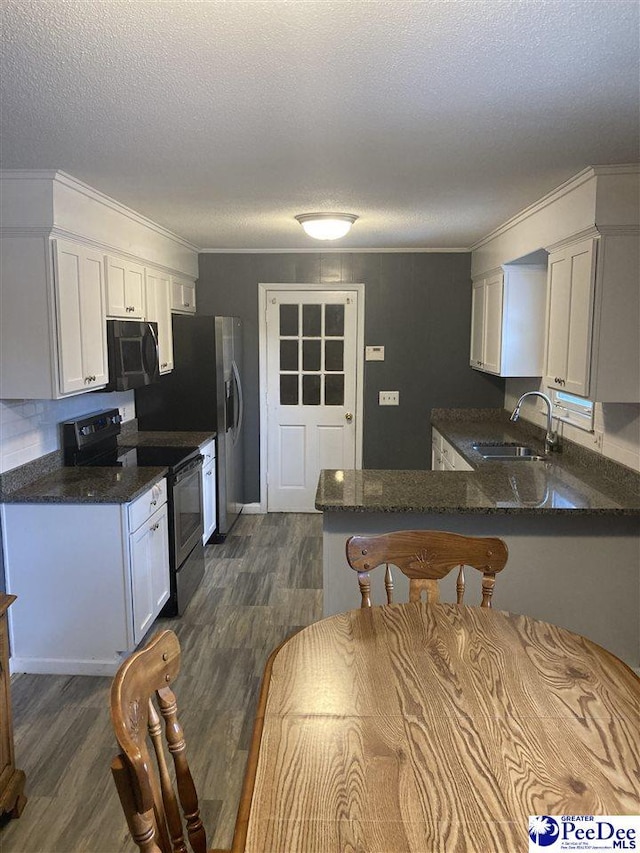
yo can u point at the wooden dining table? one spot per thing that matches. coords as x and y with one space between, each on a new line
419 728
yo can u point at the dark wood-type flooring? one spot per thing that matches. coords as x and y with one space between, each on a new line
261 585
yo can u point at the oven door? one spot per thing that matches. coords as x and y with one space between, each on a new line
188 518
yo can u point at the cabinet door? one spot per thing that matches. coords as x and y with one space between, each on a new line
477 324
6 742
571 280
209 501
125 289
149 553
159 311
82 346
183 296
492 324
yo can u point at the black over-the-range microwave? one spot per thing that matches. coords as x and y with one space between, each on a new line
132 347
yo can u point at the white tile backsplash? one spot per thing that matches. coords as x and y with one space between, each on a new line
30 428
616 425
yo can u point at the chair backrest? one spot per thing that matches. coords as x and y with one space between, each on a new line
148 797
425 557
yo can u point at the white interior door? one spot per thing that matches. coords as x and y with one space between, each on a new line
311 338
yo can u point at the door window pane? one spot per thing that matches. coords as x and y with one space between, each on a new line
288 355
288 320
311 355
311 389
334 355
334 389
311 321
288 389
334 320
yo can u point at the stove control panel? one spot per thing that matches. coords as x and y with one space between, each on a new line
82 435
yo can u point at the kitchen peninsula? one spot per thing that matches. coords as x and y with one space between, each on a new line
571 523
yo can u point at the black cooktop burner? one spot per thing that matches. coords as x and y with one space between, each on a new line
143 457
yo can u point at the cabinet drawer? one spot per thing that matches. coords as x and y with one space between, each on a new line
148 503
208 450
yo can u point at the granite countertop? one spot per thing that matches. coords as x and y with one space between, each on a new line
575 481
164 438
47 481
77 485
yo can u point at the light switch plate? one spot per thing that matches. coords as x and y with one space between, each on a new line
389 398
374 353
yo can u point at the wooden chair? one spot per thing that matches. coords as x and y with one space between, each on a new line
425 557
148 798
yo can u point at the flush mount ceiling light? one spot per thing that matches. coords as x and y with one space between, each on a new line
326 226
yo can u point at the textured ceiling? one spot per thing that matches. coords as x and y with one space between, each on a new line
434 121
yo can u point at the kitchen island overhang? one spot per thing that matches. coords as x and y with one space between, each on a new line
574 546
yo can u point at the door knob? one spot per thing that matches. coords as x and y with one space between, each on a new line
348 417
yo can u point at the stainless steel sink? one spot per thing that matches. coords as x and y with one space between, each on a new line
508 452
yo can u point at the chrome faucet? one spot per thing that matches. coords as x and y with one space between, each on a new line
551 442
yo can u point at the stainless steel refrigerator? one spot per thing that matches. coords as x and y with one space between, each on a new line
204 392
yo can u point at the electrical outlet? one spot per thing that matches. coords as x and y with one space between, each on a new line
389 398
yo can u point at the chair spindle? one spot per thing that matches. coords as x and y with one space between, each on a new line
388 584
184 780
460 585
171 808
364 582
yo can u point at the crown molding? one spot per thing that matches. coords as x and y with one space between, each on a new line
585 234
332 251
62 234
80 187
568 186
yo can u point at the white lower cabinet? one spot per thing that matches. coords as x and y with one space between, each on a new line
91 579
444 457
209 490
148 548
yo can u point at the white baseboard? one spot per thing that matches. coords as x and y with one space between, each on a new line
253 509
56 666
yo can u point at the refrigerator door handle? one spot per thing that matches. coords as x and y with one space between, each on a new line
238 426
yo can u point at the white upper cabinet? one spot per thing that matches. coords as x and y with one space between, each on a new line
62 276
158 295
125 289
79 288
570 316
507 321
183 296
593 326
52 319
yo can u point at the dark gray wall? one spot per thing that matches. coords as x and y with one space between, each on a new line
418 305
